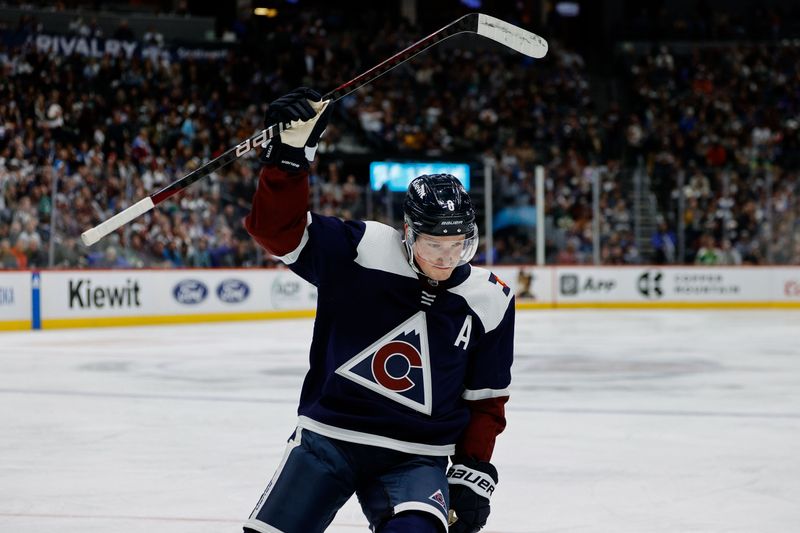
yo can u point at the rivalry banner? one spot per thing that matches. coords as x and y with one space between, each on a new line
67 45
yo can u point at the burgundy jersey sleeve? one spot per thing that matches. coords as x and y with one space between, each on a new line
486 389
277 219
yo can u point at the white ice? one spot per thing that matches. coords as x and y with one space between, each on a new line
623 422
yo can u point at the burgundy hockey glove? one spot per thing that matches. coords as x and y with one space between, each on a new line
471 485
308 115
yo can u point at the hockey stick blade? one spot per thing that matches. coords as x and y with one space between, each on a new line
502 32
512 36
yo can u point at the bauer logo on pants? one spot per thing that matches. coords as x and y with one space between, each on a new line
397 365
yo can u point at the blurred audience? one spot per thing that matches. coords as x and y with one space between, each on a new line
716 130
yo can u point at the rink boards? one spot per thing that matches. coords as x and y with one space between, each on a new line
91 298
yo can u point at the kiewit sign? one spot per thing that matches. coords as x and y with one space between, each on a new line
113 295
83 295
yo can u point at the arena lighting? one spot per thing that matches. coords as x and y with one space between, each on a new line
396 175
265 12
568 9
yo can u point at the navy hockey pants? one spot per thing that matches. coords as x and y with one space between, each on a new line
317 475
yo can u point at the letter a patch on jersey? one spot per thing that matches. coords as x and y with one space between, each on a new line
397 365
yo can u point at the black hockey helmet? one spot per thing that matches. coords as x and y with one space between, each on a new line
438 204
438 207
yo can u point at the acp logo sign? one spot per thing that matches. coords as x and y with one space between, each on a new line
233 291
190 292
288 291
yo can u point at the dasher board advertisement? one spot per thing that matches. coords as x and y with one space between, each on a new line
79 297
15 300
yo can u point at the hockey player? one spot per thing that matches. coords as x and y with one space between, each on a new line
410 357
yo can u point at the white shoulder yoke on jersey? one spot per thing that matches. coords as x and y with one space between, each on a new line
487 299
381 248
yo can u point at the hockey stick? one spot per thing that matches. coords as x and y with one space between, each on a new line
495 29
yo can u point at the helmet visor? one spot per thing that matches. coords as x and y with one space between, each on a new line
442 251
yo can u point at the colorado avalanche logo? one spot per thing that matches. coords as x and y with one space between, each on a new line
438 497
397 365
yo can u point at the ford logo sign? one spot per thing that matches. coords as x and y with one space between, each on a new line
190 291
233 291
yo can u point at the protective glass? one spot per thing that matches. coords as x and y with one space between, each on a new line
442 251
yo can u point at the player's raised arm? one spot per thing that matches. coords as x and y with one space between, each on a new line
278 216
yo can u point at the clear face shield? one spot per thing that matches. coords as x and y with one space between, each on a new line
441 251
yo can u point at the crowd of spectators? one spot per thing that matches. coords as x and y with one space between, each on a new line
108 131
719 128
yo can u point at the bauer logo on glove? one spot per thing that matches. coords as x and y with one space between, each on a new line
471 485
479 482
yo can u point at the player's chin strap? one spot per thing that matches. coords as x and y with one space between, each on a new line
412 263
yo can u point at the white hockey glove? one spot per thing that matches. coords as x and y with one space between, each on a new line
471 486
294 148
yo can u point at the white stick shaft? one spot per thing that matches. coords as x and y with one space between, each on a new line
91 236
512 36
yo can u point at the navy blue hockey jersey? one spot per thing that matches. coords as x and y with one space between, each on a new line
394 361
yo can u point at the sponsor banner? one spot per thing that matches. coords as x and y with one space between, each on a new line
593 285
289 291
786 284
531 285
15 299
703 284
121 297
662 284
130 293
67 294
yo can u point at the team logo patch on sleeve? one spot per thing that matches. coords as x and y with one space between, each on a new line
438 497
497 281
397 365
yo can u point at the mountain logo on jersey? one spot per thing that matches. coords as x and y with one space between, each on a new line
397 365
438 497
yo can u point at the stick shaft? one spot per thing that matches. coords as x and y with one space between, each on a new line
467 23
93 235
495 29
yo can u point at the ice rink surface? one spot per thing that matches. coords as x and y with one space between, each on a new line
619 421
